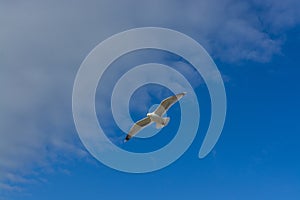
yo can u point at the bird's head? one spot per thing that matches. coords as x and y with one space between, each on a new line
148 114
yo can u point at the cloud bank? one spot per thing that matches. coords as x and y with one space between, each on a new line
43 44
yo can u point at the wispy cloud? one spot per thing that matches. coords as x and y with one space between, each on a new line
43 44
7 187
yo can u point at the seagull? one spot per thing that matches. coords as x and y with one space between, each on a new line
155 116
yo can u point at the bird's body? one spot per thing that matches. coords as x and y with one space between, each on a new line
156 116
160 121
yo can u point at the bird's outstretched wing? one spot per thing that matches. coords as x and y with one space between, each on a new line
167 103
139 125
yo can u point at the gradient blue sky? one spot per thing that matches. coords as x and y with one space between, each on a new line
255 45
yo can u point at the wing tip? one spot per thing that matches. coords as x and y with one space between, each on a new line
180 95
126 139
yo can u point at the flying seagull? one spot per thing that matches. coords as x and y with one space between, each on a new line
155 116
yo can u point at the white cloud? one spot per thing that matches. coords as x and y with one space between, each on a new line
43 44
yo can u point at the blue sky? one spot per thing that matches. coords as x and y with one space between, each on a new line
255 46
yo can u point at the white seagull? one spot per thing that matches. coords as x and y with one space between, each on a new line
155 116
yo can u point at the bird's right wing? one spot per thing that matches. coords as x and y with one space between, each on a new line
139 125
167 103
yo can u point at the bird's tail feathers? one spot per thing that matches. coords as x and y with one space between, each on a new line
158 125
165 123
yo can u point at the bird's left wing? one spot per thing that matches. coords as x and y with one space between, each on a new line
167 103
139 125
